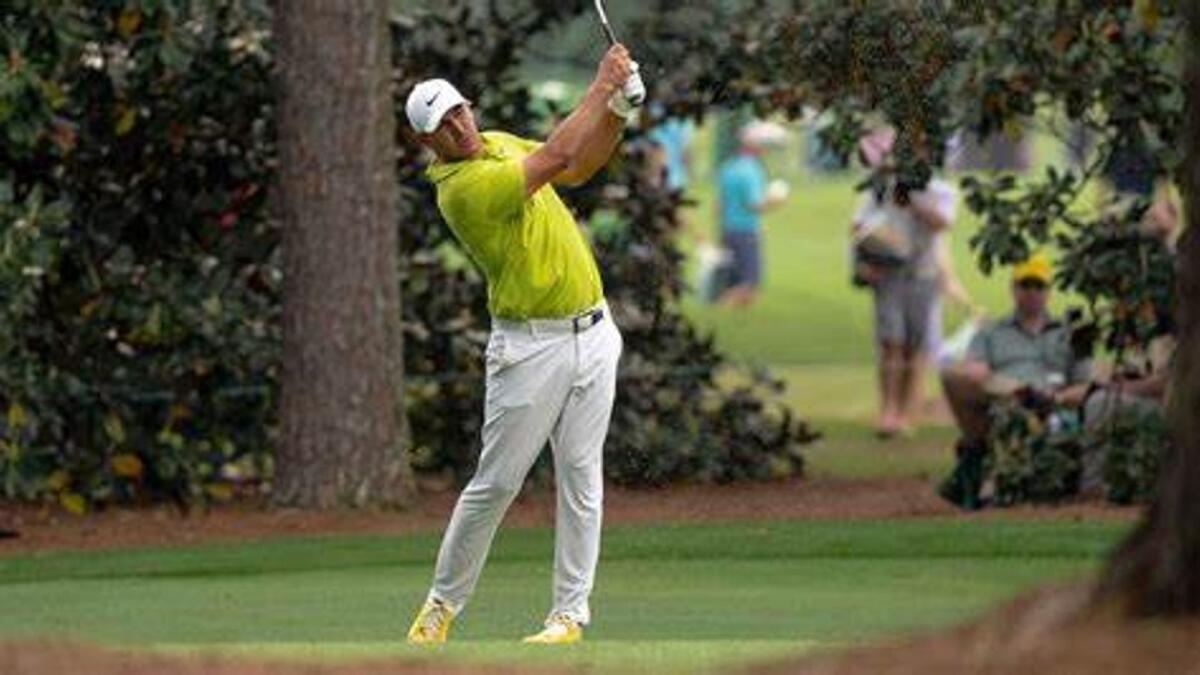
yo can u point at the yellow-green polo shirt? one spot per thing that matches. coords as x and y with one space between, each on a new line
536 260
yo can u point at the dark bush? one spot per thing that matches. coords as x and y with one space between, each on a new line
1132 444
1033 459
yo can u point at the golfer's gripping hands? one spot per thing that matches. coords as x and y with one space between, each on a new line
620 72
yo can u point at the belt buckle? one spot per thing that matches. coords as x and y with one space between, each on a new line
593 317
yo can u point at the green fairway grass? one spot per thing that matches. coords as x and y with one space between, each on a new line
667 597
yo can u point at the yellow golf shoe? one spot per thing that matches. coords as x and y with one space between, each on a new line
432 624
559 630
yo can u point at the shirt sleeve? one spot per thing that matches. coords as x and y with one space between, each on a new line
942 198
755 188
979 348
1081 371
525 145
658 136
867 206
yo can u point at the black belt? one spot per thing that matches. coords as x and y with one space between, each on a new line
585 321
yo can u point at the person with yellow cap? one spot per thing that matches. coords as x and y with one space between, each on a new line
1026 354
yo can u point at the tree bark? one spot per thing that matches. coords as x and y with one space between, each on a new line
1157 570
344 436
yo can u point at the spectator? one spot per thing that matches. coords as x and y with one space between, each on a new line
1026 356
671 141
1140 383
897 232
945 352
743 196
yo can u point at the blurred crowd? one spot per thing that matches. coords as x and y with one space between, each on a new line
1027 358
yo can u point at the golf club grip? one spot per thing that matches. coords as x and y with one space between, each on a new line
635 89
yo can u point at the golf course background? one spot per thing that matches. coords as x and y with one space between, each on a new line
669 597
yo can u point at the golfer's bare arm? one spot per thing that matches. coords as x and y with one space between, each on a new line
598 147
583 142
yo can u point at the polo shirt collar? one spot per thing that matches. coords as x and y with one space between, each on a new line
1051 324
492 149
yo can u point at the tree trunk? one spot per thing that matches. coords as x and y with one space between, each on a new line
344 436
1157 570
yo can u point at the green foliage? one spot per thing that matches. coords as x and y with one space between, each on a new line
934 69
1032 459
1132 444
137 268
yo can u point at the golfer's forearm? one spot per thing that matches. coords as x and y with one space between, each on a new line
598 147
591 121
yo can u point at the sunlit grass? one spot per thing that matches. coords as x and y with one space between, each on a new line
668 598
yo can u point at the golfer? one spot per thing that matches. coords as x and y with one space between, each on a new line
552 356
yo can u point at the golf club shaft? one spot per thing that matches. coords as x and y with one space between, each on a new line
608 31
612 37
635 90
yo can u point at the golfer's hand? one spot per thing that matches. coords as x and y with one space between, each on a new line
615 68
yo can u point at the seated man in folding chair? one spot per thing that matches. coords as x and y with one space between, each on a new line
1026 356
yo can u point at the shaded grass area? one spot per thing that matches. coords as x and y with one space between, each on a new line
668 597
841 401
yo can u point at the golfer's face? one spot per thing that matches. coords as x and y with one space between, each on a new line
456 137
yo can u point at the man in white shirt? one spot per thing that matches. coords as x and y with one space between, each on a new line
907 288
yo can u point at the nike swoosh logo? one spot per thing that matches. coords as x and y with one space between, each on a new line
435 97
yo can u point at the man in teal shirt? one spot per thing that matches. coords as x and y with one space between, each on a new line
673 138
743 196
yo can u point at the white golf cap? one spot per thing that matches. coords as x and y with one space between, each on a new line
429 101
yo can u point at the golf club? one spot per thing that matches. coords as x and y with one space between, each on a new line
635 90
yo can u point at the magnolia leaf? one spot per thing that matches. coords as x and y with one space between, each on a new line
17 417
126 117
221 492
127 465
73 503
129 21
1147 14
58 481
114 428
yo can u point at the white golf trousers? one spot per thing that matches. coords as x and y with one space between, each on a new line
544 381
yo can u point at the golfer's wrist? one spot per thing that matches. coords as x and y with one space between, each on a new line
602 89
